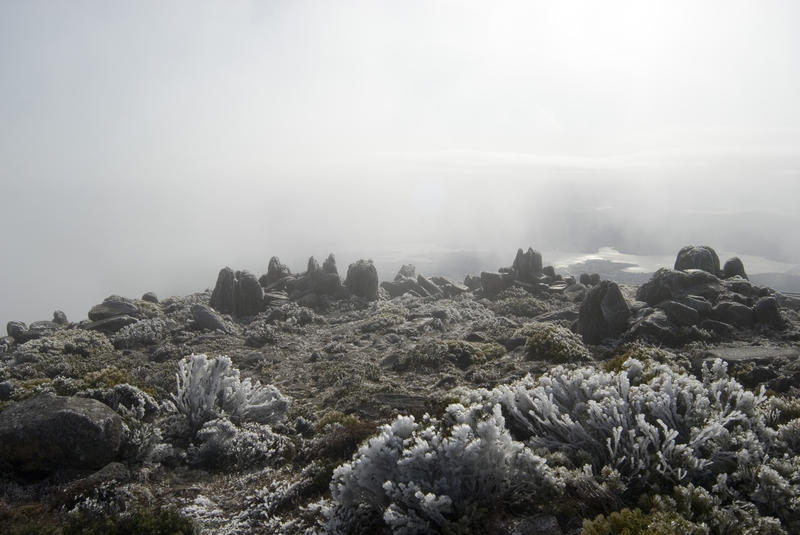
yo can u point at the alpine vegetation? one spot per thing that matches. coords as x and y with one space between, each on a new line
208 389
597 441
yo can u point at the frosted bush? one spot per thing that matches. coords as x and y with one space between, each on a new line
220 443
208 389
705 451
143 333
436 475
553 342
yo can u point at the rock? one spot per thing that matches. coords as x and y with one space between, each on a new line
539 525
742 286
735 314
450 287
19 332
6 389
398 288
110 325
206 318
275 272
112 306
668 284
679 313
59 318
585 279
223 298
698 257
734 267
275 298
754 353
429 286
700 304
717 327
527 266
313 266
406 271
248 297
604 313
329 265
150 297
47 433
594 279
654 326
362 279
549 271
575 292
472 282
767 313
788 301
493 283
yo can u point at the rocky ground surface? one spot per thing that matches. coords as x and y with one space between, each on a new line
92 425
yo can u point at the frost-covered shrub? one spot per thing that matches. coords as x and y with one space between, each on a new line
208 389
125 397
436 476
703 452
65 342
553 342
220 443
437 354
523 304
260 332
143 333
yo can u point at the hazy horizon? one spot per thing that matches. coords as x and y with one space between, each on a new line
145 145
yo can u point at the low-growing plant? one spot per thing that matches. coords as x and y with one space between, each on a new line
554 342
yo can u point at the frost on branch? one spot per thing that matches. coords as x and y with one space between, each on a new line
208 389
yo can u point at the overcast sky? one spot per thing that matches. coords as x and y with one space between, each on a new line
144 145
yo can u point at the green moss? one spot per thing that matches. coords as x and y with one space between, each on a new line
140 522
635 522
108 377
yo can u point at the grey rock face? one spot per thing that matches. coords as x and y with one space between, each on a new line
150 297
313 266
206 318
362 279
110 325
406 271
734 267
112 306
399 287
248 297
527 266
766 312
472 282
6 389
449 287
733 313
604 313
329 265
698 257
48 433
668 284
60 318
429 285
700 304
493 283
223 298
679 313
575 292
19 331
275 272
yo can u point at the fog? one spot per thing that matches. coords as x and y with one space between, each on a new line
145 145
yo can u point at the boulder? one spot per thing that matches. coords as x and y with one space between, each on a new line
527 266
472 282
150 297
312 266
206 318
329 265
733 313
59 318
734 267
406 271
6 389
450 287
700 304
248 297
48 433
20 332
604 313
110 325
719 328
549 271
668 284
585 279
402 286
698 257
767 313
223 298
275 272
493 282
679 313
657 328
575 292
113 306
429 286
362 279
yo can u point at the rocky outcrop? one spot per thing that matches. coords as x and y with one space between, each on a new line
767 312
527 266
206 318
48 433
239 293
674 284
275 272
698 257
407 271
362 279
150 297
604 313
113 306
733 313
734 267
